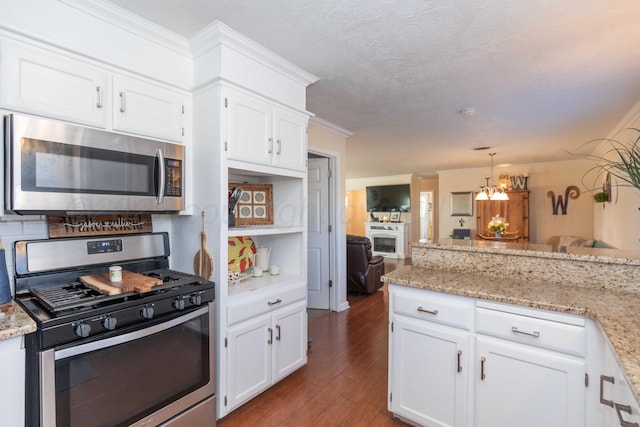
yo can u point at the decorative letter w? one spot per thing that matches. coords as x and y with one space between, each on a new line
571 191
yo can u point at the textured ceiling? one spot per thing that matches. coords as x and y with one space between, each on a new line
543 75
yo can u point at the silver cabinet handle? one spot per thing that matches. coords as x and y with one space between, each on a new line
278 301
482 376
279 142
459 365
278 333
123 102
424 310
515 330
270 340
608 379
624 408
99 101
270 149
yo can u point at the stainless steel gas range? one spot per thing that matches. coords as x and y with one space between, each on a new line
128 359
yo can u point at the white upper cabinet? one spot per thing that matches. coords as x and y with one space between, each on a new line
41 82
261 132
290 140
146 109
37 81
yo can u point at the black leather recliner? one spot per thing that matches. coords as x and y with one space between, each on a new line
363 269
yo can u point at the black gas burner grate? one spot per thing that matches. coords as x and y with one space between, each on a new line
73 295
67 296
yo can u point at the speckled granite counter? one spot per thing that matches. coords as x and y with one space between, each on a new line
567 280
16 323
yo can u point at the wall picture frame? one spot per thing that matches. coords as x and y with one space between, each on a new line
395 217
462 203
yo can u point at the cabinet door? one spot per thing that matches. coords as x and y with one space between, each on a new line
523 386
40 82
12 371
249 129
249 350
620 403
429 372
290 140
145 109
289 340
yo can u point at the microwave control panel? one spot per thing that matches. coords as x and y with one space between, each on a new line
173 178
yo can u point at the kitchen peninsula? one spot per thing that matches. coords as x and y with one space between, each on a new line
535 332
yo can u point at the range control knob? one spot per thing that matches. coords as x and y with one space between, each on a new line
178 303
196 299
82 329
109 323
147 312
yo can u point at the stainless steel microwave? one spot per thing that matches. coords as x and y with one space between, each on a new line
55 167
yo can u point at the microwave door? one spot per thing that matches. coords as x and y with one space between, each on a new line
56 167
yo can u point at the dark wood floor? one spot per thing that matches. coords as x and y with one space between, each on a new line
345 380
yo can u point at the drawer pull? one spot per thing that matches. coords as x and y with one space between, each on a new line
608 379
278 301
279 334
270 149
627 409
270 340
482 368
515 330
424 310
459 365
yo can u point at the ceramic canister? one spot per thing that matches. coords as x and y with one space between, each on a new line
262 258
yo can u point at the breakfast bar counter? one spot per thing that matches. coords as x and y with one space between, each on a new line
601 284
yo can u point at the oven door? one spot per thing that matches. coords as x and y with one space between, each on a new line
54 166
140 378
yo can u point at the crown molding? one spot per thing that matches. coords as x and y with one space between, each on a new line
217 33
134 24
317 121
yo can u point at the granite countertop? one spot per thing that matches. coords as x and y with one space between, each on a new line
617 311
578 253
15 324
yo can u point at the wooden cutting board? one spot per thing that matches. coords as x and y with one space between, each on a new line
131 282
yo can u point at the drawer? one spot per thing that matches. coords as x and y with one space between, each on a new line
553 335
433 306
251 306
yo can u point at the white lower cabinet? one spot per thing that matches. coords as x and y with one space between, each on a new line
458 361
263 350
12 372
429 373
519 385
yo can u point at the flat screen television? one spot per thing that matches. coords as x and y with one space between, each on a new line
389 198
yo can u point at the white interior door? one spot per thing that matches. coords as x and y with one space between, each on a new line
318 234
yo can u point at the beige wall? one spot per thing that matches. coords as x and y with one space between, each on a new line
543 177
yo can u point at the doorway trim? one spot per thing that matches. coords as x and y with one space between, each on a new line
337 237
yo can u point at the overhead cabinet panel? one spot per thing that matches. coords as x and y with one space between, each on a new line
38 82
146 109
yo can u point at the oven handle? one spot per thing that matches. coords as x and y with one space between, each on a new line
110 342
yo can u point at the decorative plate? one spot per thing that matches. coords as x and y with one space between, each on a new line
241 251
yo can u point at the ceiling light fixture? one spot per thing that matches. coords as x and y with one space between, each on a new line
492 192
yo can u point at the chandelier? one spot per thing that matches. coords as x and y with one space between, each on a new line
492 192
